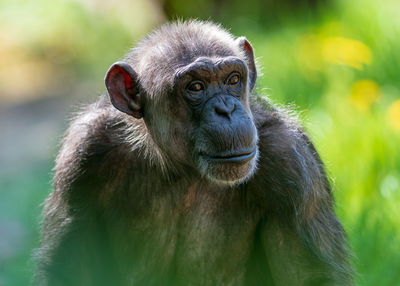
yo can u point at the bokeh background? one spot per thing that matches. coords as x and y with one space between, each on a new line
336 62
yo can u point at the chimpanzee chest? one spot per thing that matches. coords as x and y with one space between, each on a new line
195 239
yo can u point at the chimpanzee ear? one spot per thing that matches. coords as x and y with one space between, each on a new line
122 85
248 50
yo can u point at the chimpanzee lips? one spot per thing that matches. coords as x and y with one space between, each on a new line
240 157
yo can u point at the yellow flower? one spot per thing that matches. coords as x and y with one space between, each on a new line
353 53
317 51
394 115
364 93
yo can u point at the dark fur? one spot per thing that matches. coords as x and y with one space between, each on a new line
124 213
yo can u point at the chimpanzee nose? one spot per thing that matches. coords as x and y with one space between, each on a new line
224 107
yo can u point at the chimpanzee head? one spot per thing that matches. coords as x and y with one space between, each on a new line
191 82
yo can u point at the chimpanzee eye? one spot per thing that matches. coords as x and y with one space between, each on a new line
195 86
233 79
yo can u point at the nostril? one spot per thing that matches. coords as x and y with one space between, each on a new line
225 109
220 110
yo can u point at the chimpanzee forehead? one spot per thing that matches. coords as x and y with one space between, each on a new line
210 66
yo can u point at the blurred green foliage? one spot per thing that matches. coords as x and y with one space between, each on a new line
337 64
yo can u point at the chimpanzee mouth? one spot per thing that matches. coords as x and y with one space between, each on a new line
239 157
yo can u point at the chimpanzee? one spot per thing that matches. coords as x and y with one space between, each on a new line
184 176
